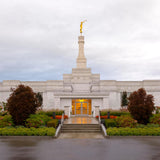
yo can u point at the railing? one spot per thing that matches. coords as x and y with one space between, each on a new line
99 118
62 119
104 130
102 126
60 126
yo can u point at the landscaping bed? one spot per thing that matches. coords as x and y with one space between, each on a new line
127 126
146 131
38 124
22 131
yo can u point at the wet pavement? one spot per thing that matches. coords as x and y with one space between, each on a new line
81 120
81 136
46 148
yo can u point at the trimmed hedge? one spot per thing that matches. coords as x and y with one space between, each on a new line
114 113
110 123
21 131
52 123
134 131
50 112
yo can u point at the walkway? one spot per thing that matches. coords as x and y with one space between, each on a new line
81 120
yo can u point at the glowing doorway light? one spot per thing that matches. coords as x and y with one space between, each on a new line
81 100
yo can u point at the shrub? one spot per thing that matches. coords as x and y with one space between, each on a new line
6 121
50 112
1 108
114 113
52 123
4 113
110 123
133 131
45 118
141 106
157 109
126 121
21 131
140 126
155 119
34 121
151 125
21 103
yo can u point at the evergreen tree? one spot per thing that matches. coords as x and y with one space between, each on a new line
124 101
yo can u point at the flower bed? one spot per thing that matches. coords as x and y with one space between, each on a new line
154 131
60 117
106 117
21 131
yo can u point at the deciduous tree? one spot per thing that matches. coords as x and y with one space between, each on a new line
21 103
141 106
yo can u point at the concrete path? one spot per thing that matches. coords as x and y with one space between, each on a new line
81 120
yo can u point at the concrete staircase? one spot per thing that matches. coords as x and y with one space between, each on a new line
81 128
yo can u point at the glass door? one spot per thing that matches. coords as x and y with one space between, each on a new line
78 108
85 108
81 107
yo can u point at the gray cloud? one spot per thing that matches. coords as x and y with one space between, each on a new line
38 39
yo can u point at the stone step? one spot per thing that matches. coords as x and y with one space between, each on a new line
81 131
86 126
81 128
81 124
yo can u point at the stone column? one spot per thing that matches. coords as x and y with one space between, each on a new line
96 111
67 111
81 60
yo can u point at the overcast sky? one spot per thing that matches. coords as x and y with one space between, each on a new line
38 38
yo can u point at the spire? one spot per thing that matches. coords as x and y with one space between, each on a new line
81 60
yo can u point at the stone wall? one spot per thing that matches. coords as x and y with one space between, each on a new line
53 91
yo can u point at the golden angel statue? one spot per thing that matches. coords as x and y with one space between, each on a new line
81 26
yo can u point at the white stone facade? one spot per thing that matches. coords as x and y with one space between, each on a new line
81 83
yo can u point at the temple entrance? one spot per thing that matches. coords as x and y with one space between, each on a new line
81 107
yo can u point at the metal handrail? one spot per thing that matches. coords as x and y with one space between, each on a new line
60 126
58 130
104 130
62 119
99 118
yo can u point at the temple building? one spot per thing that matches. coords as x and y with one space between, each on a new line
82 92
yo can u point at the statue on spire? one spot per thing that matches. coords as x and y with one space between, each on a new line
81 26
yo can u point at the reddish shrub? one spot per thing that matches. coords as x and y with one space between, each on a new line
141 106
21 103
